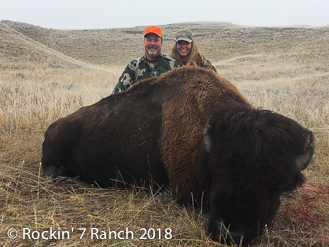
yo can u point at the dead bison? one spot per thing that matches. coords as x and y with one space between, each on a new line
194 130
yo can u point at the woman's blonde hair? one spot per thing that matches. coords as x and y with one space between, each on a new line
193 58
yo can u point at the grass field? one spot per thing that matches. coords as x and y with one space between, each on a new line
35 94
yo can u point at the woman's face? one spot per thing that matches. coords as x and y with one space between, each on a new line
183 48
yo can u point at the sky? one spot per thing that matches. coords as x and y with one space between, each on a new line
100 14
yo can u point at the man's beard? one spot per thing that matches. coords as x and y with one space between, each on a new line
152 53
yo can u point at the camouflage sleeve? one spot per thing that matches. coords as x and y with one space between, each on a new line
174 64
208 65
126 79
171 62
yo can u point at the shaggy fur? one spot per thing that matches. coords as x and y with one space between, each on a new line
153 132
251 162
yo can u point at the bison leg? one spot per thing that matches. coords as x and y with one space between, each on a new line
61 138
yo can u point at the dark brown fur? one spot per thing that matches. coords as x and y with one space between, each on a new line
138 131
252 161
153 131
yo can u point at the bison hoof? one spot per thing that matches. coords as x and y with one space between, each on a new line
52 171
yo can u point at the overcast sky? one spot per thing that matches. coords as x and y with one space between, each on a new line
94 14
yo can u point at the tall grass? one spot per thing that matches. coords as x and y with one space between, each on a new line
33 97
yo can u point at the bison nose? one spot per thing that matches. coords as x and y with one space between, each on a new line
238 237
231 234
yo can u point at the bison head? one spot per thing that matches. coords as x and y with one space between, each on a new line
253 156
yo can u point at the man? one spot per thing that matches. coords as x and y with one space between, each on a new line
153 63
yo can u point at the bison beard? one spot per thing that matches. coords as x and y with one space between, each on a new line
238 165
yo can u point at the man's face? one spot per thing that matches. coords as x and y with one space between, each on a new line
152 46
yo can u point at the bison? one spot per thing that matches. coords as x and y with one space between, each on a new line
192 130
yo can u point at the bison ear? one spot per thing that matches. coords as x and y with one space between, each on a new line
206 136
304 159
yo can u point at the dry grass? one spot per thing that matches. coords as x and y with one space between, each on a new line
28 200
65 204
35 93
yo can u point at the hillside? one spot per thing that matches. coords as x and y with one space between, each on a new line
238 52
18 51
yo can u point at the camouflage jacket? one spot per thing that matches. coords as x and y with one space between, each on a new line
203 63
142 68
207 65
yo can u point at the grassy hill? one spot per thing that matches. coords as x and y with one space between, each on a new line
18 50
238 52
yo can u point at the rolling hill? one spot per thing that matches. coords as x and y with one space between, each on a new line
19 51
238 52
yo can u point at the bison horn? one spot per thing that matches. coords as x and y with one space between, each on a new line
206 136
304 159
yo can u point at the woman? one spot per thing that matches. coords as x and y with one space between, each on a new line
186 52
